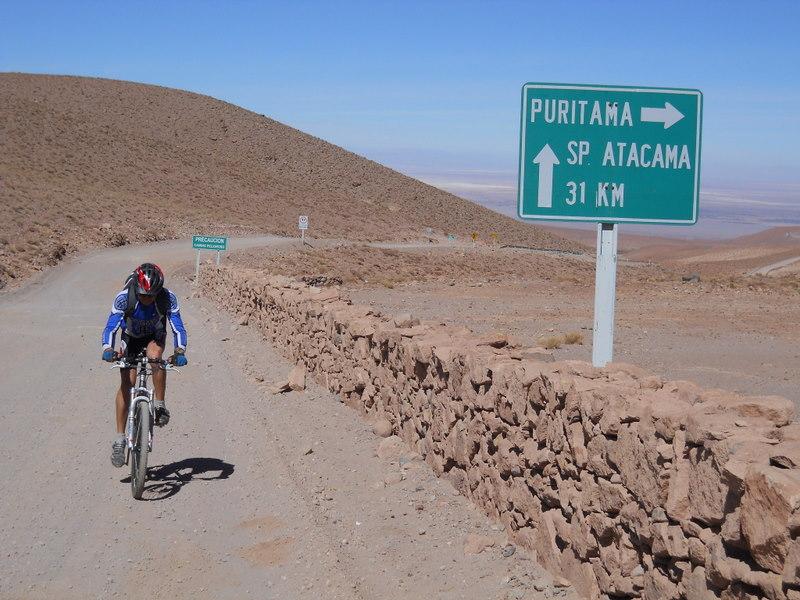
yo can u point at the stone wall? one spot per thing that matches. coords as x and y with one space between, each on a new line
625 484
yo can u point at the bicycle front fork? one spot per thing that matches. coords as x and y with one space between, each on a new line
137 395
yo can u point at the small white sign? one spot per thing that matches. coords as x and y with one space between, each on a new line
302 222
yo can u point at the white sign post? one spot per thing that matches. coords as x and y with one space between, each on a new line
605 291
302 225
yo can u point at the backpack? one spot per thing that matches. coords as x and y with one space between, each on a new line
162 300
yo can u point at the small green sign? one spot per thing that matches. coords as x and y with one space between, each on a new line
609 154
205 242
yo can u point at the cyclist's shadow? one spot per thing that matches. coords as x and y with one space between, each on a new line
164 481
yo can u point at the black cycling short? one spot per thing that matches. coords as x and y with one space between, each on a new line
132 346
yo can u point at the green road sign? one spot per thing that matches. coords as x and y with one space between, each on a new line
205 242
609 154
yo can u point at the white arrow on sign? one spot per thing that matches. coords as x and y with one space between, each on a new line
669 115
545 159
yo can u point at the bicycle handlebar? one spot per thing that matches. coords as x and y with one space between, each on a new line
127 363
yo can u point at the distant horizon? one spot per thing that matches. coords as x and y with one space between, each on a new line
724 212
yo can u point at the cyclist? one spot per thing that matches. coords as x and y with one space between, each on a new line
142 310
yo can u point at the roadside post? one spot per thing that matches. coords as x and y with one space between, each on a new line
205 242
302 225
609 155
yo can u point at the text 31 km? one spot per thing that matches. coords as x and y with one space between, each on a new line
607 194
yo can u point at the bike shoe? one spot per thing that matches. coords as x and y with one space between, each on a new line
118 453
162 415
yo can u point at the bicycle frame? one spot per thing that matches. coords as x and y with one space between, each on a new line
140 393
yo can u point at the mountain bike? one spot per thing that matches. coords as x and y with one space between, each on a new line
141 415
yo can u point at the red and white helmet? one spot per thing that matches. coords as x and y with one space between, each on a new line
149 279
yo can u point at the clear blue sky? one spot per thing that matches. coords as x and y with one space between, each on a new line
436 84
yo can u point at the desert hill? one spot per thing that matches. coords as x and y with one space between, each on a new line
91 162
743 255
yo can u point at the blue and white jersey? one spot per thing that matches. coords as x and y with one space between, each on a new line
145 320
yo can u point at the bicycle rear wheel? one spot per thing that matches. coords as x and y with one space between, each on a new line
140 449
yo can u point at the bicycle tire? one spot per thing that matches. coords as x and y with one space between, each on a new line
140 449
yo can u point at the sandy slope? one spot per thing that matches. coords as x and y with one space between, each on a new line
91 162
252 495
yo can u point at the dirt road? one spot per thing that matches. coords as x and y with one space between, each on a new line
775 266
252 495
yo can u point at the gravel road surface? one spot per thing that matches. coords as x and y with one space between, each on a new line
251 495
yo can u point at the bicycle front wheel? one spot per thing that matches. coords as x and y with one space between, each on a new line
140 449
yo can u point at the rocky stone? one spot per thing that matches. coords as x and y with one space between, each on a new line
731 531
405 320
475 543
603 528
297 378
580 575
658 515
780 411
495 339
577 442
709 492
608 497
770 583
709 424
696 586
391 448
638 465
657 586
791 565
669 541
651 382
737 592
534 353
602 577
786 455
280 388
722 570
685 391
635 519
698 553
627 369
382 428
788 433
668 413
771 496
678 505
561 582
